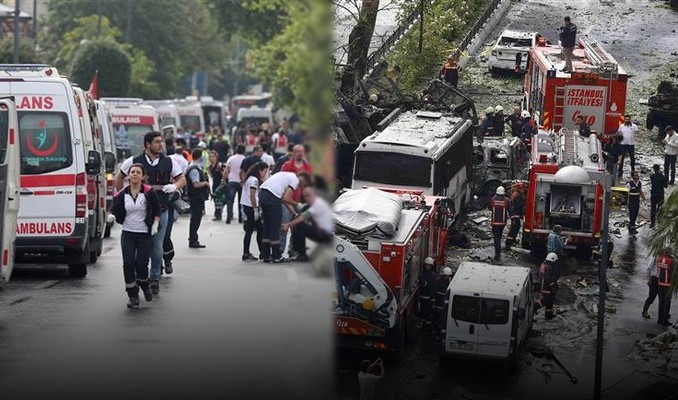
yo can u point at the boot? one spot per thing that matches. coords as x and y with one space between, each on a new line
155 287
133 294
646 314
146 289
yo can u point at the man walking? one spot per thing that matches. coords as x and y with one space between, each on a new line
653 286
160 171
670 152
517 212
232 175
612 152
628 143
548 284
426 295
635 194
198 187
568 40
664 272
658 184
499 206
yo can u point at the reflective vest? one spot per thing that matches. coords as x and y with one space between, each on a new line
664 270
499 207
281 144
250 142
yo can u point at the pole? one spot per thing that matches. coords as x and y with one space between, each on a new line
128 31
100 11
35 19
602 275
17 32
421 25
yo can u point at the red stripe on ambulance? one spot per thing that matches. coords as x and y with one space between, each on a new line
47 180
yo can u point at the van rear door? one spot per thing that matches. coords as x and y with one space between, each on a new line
494 330
462 324
9 185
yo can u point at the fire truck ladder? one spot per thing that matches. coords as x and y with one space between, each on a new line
568 153
607 66
559 108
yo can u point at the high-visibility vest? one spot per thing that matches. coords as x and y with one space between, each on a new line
250 142
499 206
664 270
281 144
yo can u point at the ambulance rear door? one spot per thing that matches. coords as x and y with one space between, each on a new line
9 184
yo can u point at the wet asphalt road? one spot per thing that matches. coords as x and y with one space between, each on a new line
219 328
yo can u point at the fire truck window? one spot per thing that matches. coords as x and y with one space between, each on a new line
393 168
494 311
45 142
498 157
4 127
466 308
515 42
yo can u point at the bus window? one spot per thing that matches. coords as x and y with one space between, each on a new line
393 169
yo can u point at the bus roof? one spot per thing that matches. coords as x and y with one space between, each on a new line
588 57
422 133
481 278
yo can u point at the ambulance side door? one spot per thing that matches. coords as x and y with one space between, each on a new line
9 184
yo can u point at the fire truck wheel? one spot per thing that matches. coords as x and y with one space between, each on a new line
77 270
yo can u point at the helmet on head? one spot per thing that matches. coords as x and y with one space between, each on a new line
428 261
489 110
500 191
202 145
552 257
525 114
498 109
447 271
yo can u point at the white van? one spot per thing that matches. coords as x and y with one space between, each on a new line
488 312
9 185
55 165
110 160
167 112
255 116
131 121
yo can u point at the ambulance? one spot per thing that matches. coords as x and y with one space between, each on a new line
131 120
9 185
168 114
191 120
56 164
110 160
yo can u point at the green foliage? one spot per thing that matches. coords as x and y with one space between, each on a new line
85 28
445 24
112 62
27 53
142 85
666 235
256 21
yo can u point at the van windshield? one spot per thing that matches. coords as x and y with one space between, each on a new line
255 121
393 169
4 127
190 123
484 311
131 137
515 42
165 121
45 142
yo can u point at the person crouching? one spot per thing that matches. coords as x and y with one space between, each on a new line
315 223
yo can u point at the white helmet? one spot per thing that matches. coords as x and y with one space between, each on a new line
428 261
500 191
202 145
447 271
552 257
374 98
525 114
498 109
489 110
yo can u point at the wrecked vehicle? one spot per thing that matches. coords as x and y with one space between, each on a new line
663 108
497 161
511 51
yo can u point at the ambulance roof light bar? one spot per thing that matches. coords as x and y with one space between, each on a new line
42 69
123 100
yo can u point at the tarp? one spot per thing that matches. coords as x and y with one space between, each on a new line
368 212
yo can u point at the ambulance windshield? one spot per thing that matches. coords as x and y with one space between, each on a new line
129 136
393 169
45 142
190 123
166 121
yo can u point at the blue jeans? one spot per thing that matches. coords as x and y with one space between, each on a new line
158 251
233 188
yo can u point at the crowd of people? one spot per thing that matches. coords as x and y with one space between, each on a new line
268 173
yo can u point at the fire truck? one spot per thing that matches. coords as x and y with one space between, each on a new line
564 189
595 89
383 238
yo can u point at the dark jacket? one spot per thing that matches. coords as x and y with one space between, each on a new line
584 130
516 122
658 184
568 35
517 205
152 206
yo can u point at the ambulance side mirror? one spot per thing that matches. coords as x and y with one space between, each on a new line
93 165
109 161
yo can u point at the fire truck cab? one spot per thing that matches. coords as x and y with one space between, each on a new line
564 189
595 89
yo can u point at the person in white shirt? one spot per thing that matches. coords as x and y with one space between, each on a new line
628 132
274 192
653 285
316 223
368 380
267 157
670 152
255 176
233 185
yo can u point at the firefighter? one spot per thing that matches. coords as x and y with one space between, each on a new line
528 129
555 244
487 124
450 71
499 206
547 286
664 272
515 120
441 287
426 294
517 212
635 194
498 121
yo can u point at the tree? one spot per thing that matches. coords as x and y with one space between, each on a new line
256 21
666 235
359 44
27 53
85 28
113 64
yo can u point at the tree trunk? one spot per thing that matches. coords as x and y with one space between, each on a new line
359 45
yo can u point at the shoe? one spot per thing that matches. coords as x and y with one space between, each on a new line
155 287
299 258
267 260
133 302
168 267
148 295
646 314
228 221
249 257
216 219
261 257
196 245
280 260
292 255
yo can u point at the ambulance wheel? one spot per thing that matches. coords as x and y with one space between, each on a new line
77 270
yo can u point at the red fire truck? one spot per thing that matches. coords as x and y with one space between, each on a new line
564 189
382 241
595 89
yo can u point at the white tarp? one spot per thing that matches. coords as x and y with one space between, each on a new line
368 212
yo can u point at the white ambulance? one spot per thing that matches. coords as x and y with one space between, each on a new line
110 160
167 112
131 120
191 120
9 185
55 163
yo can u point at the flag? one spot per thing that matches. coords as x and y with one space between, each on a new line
94 86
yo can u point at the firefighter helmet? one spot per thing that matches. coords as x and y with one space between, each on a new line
552 257
447 271
428 261
489 110
525 114
500 191
499 109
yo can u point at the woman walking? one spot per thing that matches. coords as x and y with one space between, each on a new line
137 208
250 205
216 171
